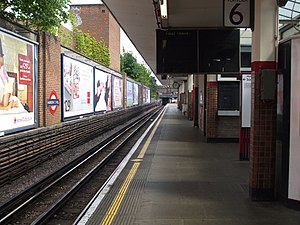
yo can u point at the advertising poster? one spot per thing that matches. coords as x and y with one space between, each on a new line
17 83
117 92
102 95
77 88
129 93
135 94
148 97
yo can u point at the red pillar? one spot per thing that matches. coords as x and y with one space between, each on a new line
263 118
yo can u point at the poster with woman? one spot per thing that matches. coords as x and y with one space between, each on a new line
117 92
17 83
78 88
102 95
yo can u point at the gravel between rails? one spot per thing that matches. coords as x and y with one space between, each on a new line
38 173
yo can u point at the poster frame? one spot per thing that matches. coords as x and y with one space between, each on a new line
35 83
78 116
97 112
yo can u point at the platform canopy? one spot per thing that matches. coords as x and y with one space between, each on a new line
140 18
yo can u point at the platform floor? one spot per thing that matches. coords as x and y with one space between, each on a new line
182 180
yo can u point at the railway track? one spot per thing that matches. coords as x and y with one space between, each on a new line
60 197
23 151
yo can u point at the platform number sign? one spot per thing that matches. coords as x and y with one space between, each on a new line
237 13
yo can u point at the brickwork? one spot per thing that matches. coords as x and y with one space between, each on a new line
114 43
262 140
212 109
38 145
97 20
228 127
49 78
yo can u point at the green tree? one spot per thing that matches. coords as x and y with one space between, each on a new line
36 14
138 72
129 65
90 47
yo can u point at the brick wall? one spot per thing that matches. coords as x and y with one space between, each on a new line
114 43
49 78
212 109
262 139
228 127
97 20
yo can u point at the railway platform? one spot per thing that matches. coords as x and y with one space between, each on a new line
175 178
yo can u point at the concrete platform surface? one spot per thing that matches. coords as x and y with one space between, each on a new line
182 180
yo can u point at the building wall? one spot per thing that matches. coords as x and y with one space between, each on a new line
98 21
49 77
211 108
114 43
228 127
217 128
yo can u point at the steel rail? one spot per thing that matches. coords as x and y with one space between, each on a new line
11 207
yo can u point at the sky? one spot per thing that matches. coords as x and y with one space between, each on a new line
124 40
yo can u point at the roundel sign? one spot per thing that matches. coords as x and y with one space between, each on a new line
53 102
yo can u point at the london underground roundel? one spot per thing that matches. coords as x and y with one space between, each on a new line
53 102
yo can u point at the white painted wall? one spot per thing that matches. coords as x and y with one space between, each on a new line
294 165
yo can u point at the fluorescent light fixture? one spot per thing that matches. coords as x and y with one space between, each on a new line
163 9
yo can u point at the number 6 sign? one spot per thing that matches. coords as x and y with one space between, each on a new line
237 13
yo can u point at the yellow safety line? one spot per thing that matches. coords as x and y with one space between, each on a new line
147 143
111 213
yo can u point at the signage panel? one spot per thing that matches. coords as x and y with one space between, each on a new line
237 13
198 51
176 51
246 100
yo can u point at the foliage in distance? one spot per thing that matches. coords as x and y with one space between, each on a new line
138 72
44 15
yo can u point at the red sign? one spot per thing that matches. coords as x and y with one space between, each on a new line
53 102
88 97
25 69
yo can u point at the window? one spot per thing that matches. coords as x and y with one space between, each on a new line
245 56
229 95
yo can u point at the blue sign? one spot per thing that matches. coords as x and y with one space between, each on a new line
53 102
